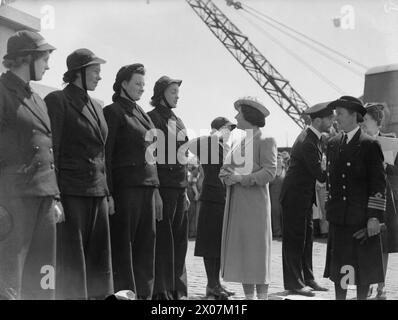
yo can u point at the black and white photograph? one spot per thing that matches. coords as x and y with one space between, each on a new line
215 151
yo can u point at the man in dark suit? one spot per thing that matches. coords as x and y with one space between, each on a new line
80 131
356 201
172 231
297 198
28 186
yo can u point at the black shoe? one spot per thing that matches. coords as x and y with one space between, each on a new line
381 295
217 292
315 286
303 292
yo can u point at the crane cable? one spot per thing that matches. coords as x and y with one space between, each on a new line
297 57
264 16
342 64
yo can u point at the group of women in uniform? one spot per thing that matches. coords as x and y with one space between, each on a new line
119 205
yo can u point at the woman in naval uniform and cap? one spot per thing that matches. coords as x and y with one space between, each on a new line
172 231
28 186
133 182
211 151
80 131
247 236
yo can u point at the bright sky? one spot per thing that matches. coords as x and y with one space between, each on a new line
170 39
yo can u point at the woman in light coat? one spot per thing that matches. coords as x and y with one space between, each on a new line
247 235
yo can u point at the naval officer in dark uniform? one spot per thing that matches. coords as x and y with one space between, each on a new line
356 201
172 231
28 186
133 182
297 197
80 131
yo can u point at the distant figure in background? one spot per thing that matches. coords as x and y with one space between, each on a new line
322 225
211 151
319 213
373 120
297 198
29 195
84 266
275 187
247 231
286 159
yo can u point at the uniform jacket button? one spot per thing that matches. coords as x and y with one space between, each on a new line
52 166
51 150
344 198
343 175
348 164
36 147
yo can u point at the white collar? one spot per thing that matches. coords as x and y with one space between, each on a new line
351 134
376 135
317 133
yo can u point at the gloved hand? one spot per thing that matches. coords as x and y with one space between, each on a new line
59 212
373 227
187 202
111 206
362 235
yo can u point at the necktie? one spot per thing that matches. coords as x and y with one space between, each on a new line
345 138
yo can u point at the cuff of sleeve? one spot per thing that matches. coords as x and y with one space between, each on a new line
373 213
389 169
376 207
247 181
377 203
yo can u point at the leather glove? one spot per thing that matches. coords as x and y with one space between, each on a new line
111 206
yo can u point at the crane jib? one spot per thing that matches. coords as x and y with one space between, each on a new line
252 60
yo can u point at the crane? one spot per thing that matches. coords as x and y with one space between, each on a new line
251 59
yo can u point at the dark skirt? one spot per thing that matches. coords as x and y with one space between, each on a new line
209 231
344 252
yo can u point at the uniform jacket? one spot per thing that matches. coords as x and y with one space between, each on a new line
26 154
298 187
171 173
213 189
356 180
80 132
127 145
